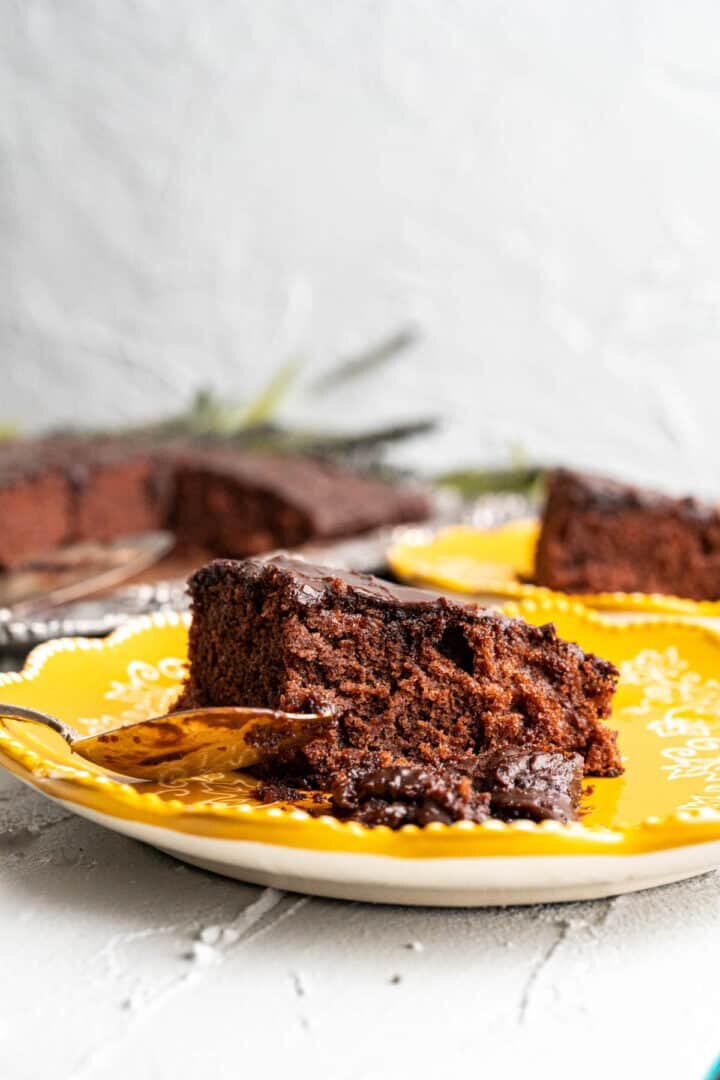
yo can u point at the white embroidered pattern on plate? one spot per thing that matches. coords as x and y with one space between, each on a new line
150 690
691 709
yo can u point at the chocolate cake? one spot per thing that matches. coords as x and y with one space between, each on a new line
243 503
225 501
598 535
414 683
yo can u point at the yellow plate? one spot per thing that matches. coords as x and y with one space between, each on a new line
667 710
498 562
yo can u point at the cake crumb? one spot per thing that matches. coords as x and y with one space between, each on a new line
395 979
414 946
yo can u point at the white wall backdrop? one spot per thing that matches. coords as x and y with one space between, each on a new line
190 191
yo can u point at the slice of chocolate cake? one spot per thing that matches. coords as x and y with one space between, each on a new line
598 535
238 503
412 680
222 500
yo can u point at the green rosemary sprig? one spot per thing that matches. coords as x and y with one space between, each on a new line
367 361
262 409
470 483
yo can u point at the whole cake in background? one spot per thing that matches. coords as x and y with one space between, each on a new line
224 500
442 710
599 535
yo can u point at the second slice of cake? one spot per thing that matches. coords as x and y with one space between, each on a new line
599 535
408 677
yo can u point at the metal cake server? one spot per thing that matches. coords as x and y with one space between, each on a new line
186 743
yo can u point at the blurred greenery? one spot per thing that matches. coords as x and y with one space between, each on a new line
369 360
472 482
519 477
262 409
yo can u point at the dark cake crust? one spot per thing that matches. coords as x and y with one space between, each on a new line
423 681
598 535
535 784
404 794
510 784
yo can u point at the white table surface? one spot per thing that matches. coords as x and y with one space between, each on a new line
118 961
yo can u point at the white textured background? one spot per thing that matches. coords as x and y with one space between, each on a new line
189 192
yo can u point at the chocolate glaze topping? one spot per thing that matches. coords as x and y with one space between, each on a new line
312 583
316 584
